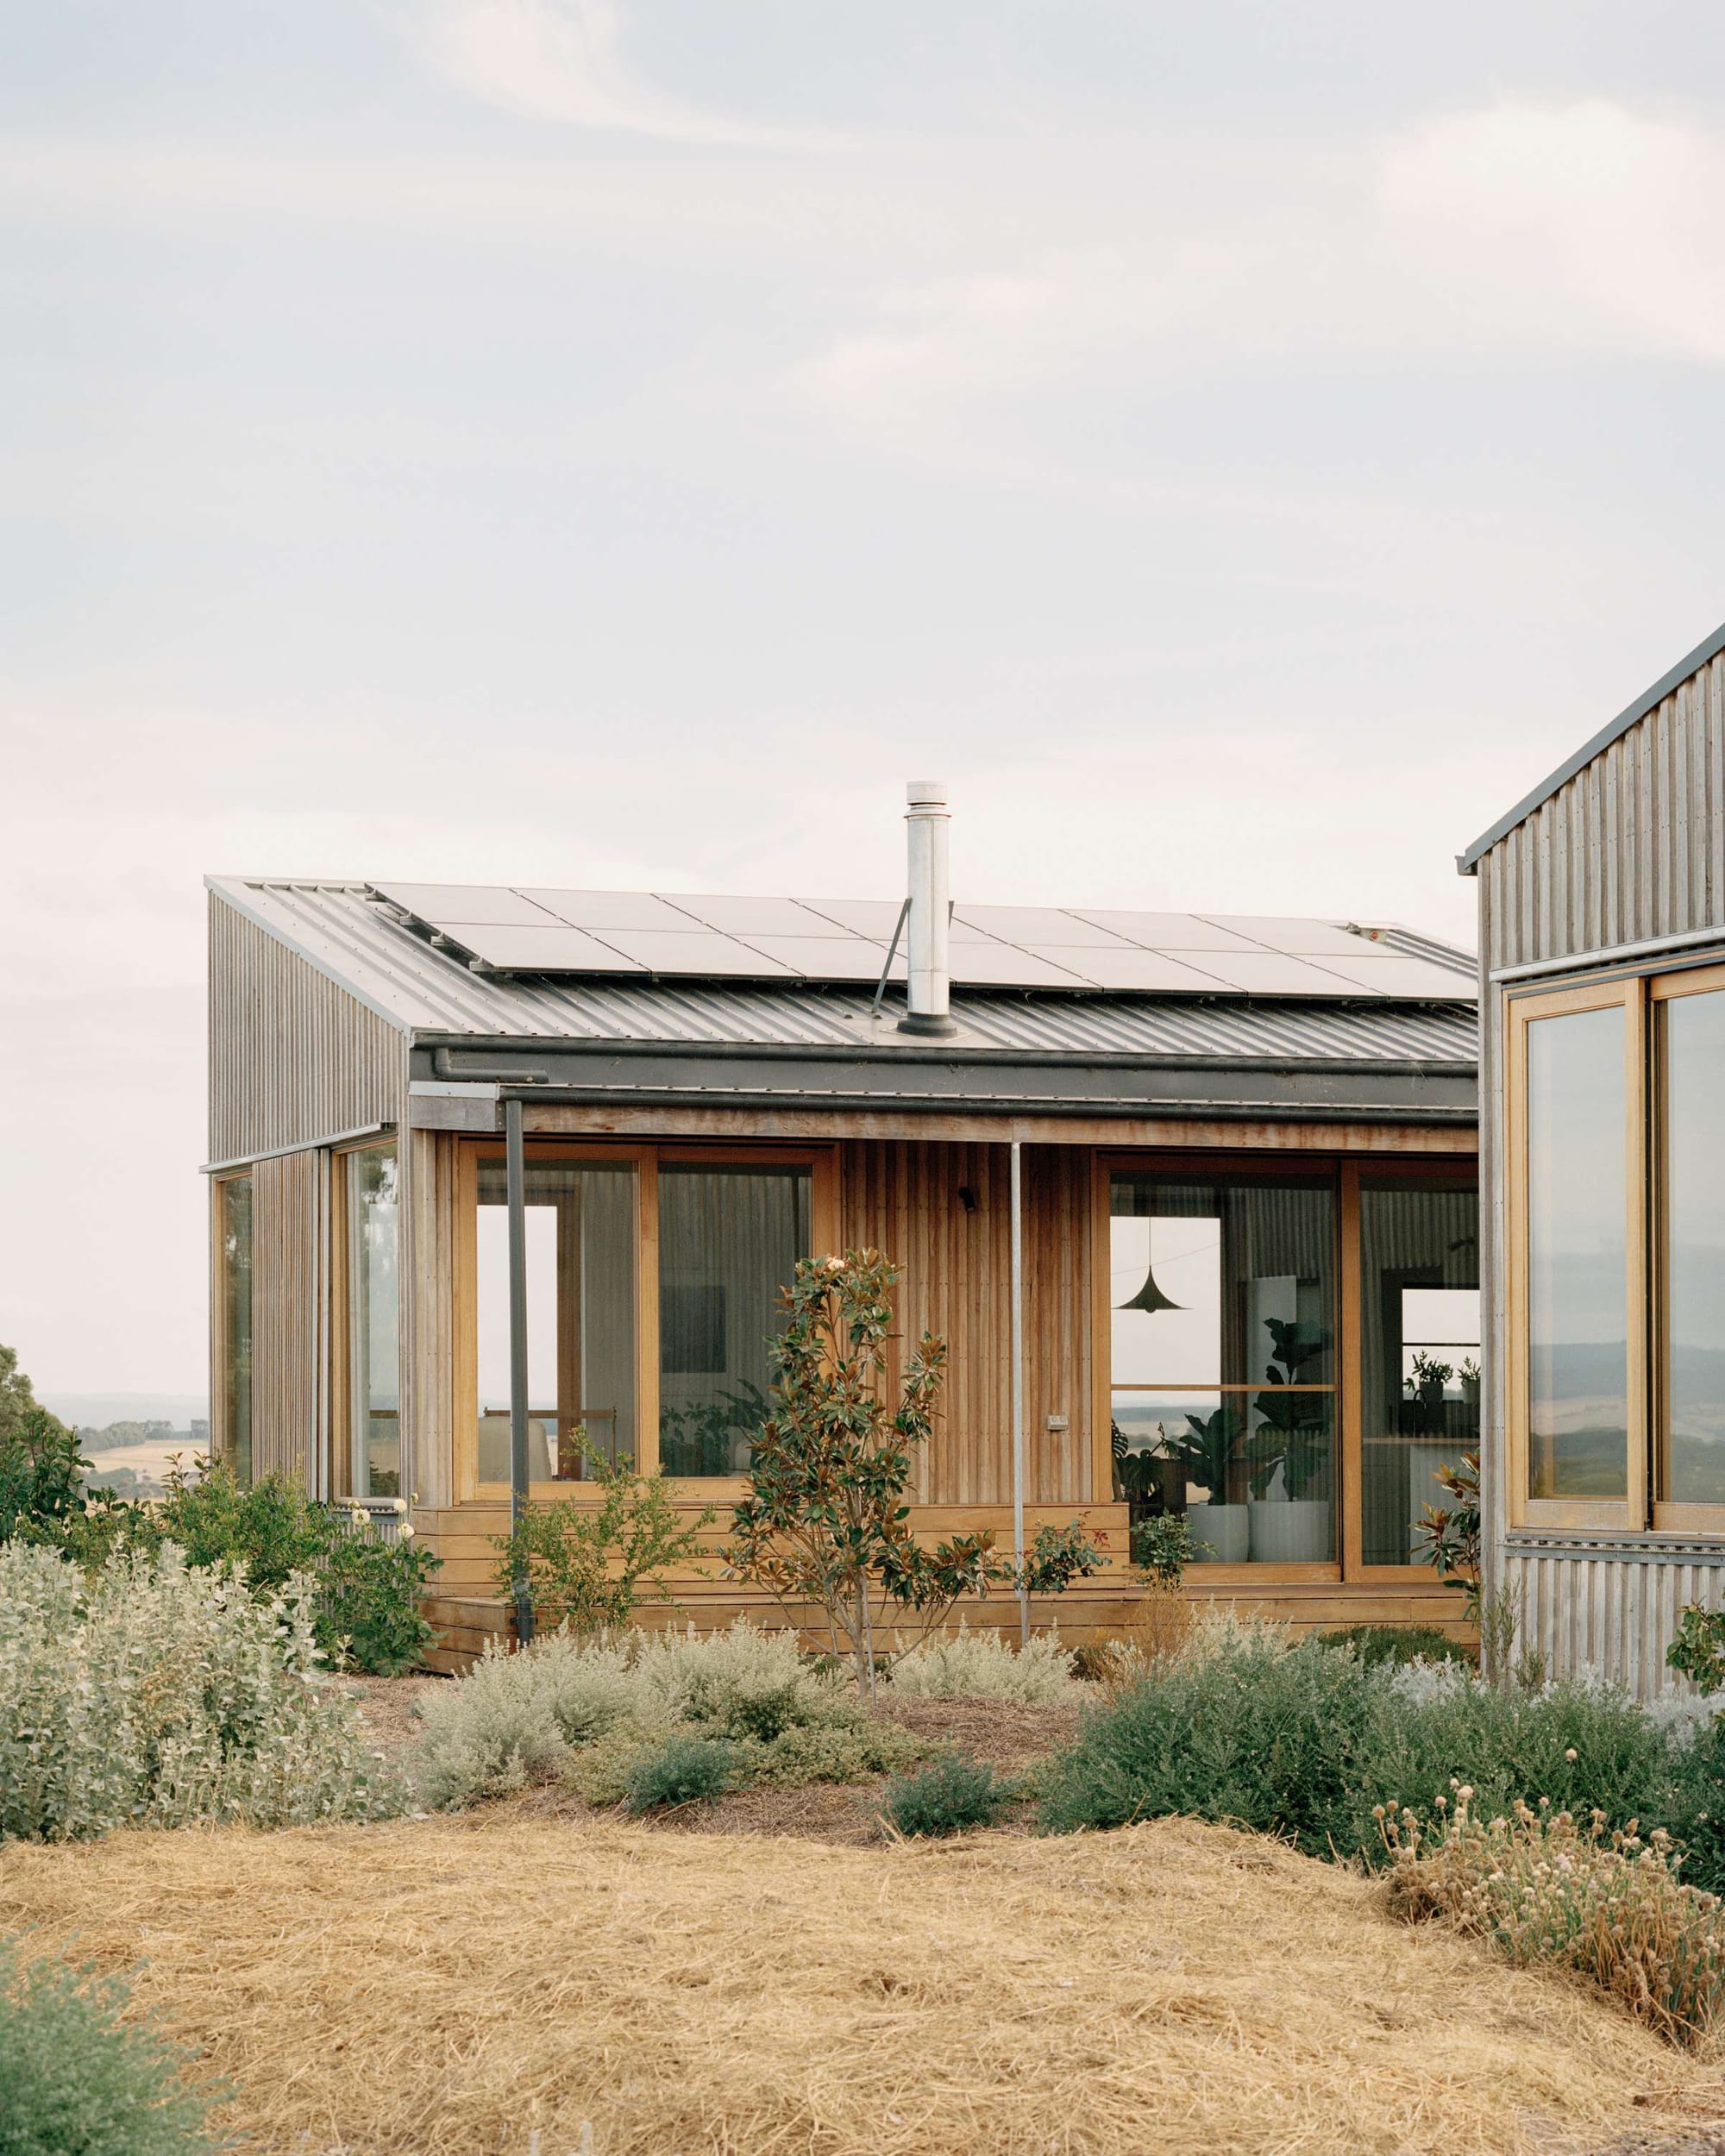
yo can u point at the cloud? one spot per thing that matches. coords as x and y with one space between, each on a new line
560 61
1517 232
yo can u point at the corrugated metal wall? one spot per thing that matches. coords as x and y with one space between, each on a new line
1631 848
291 1056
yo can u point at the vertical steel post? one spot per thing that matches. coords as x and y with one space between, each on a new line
515 1155
1017 1391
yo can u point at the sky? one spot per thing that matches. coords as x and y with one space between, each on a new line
1240 448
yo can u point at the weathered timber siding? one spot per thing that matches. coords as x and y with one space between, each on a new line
904 1199
1632 847
292 1057
287 1286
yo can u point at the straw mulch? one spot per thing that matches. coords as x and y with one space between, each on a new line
450 1985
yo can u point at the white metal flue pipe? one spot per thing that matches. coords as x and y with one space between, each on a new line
927 1004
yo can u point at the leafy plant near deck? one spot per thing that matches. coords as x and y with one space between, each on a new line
827 1519
587 1565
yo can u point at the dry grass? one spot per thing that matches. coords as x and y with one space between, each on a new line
1159 1628
452 1984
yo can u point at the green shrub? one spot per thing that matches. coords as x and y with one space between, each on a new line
76 2081
981 1665
833 1752
1241 1729
42 1471
370 1594
953 1793
1304 1742
586 1566
152 1694
1396 1643
681 1770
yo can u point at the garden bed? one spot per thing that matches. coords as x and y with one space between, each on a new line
457 1983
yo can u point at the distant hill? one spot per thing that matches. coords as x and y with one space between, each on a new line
96 1410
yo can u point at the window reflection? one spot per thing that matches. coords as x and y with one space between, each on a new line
1694 1297
373 1322
1577 1326
1419 1353
1222 1360
580 1317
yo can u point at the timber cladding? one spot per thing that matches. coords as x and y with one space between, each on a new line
287 1259
942 1212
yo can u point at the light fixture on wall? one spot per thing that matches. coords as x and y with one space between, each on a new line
967 1197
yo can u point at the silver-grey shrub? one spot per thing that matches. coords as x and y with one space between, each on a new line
516 1717
153 1694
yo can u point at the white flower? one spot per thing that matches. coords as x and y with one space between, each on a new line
407 1533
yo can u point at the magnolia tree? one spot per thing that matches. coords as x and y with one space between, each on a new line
826 1519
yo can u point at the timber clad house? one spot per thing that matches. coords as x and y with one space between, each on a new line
1602 942
1192 1199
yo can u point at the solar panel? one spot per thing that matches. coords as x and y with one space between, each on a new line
1030 926
1396 974
610 909
717 936
1140 972
702 952
1004 966
1270 973
470 905
757 916
875 918
551 948
1298 938
1167 932
833 957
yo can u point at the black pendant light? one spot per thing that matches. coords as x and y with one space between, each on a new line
1150 1298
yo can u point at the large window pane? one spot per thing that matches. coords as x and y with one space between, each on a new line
373 1322
580 1317
1577 1320
1694 1063
728 1239
235 1214
1223 1360
1420 1352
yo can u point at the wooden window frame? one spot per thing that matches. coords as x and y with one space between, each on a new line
820 1159
221 1437
1572 1514
1662 989
343 1434
1345 1171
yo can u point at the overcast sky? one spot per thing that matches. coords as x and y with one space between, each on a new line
1241 448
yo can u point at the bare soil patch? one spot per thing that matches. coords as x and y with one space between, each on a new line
456 1984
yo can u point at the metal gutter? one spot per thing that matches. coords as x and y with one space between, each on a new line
1649 701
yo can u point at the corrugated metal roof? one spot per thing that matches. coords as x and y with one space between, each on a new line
357 942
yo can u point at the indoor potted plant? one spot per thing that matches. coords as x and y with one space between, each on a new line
1206 1452
1290 1502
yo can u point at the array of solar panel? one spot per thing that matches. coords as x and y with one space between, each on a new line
534 929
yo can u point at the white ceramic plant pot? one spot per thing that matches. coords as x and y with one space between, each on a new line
1220 1533
1290 1530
